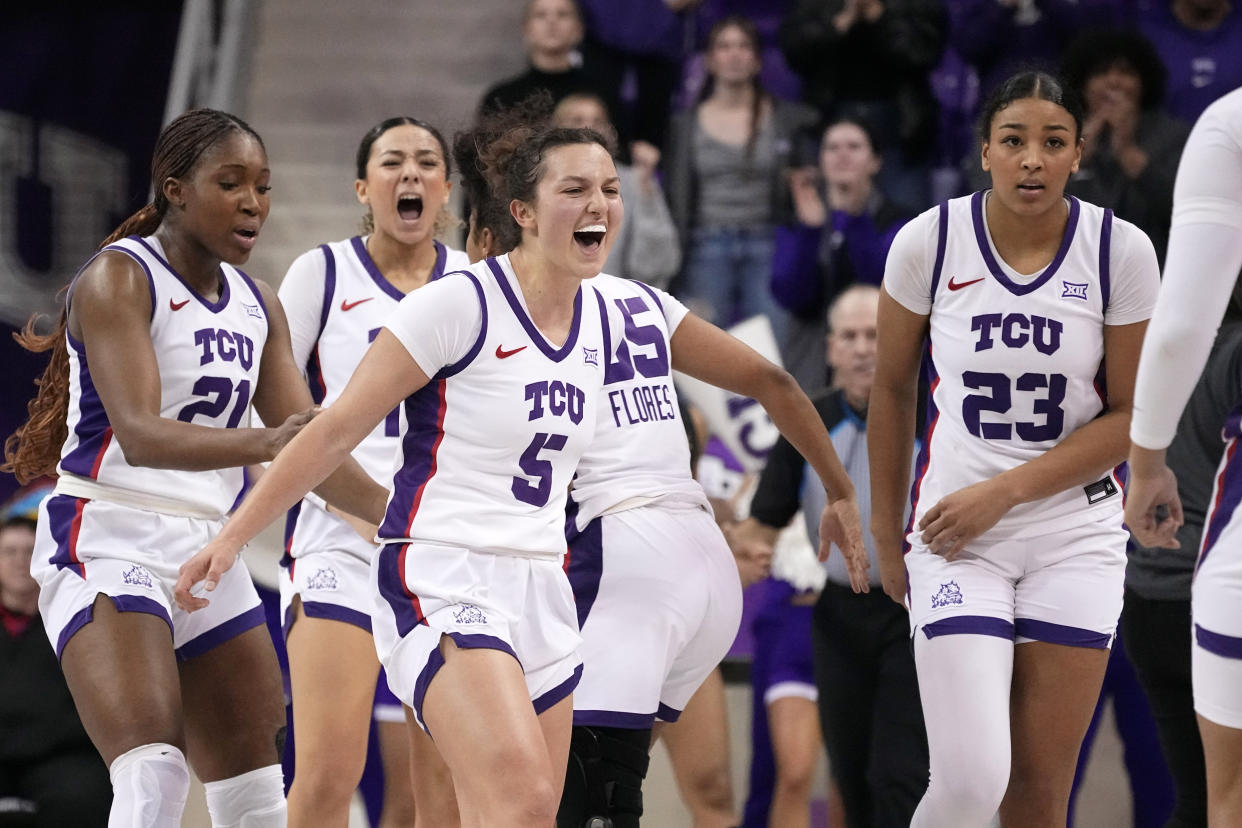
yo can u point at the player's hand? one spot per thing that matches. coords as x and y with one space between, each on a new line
892 570
962 516
280 436
208 566
840 524
752 544
1153 507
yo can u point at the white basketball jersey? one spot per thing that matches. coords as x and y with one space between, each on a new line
493 439
1015 365
208 355
356 301
640 452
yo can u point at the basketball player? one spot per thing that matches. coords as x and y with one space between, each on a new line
161 349
500 368
1035 306
655 585
337 297
1205 254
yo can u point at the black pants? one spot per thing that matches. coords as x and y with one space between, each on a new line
869 706
71 789
1156 635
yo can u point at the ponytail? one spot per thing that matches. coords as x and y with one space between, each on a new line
34 449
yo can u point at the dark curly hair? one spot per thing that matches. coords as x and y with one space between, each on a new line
1095 52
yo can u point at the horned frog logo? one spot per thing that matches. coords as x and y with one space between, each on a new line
470 614
325 578
949 593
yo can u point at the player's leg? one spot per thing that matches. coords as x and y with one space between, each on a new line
478 710
435 800
122 673
964 685
397 808
1222 750
698 746
1066 606
1055 688
793 722
235 727
332 672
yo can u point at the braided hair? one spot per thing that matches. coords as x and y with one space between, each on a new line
34 449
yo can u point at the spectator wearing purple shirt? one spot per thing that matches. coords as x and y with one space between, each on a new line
841 237
1200 42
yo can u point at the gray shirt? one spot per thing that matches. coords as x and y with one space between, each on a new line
734 187
1194 455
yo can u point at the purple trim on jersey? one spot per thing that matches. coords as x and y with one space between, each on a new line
554 354
1060 634
64 514
406 609
970 625
424 411
245 277
561 691
461 364
942 243
216 636
314 376
329 287
667 714
606 332
291 526
335 612
584 563
242 490
93 429
219 305
924 457
123 603
1106 238
1226 646
611 718
981 236
1228 495
368 264
132 255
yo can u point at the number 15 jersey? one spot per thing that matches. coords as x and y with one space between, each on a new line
1016 362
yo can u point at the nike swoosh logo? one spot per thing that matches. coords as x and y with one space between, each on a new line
501 353
959 285
178 305
345 306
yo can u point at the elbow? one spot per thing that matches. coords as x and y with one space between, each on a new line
137 449
774 383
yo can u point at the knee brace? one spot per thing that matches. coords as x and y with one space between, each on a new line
252 800
149 787
604 780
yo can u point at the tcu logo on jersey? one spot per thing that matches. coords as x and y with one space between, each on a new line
1017 330
556 398
227 346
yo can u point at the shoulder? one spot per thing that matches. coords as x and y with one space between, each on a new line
114 275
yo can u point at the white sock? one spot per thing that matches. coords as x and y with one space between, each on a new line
149 787
251 800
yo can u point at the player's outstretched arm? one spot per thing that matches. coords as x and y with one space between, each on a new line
386 375
282 390
707 353
890 433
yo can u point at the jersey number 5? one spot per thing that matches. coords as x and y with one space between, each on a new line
532 466
999 400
